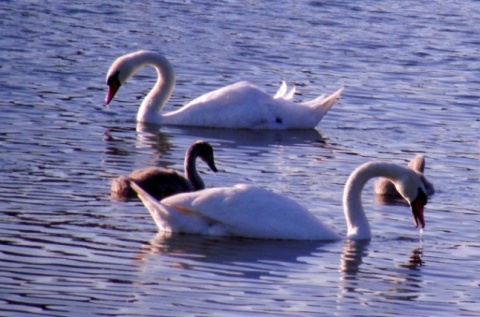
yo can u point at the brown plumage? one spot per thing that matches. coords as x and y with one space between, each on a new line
385 187
160 182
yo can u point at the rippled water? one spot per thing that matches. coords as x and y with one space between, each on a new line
411 72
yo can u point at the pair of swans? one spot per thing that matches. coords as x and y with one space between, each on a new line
160 182
241 105
252 212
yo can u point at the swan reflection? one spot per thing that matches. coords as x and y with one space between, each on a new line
249 258
238 138
401 281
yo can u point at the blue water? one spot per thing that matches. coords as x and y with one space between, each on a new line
411 75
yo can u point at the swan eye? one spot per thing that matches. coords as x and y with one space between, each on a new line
421 197
114 79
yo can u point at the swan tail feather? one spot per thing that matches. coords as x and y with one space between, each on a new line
289 96
322 104
283 93
282 90
417 163
159 212
176 218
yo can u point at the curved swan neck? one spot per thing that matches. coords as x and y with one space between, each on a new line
163 89
190 168
357 222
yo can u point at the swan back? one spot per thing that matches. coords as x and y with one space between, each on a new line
239 211
157 181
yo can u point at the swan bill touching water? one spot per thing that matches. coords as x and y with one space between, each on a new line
385 187
252 212
161 182
241 105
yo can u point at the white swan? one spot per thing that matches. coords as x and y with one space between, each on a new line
160 182
253 212
385 187
241 105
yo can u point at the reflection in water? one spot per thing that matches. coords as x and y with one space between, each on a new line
352 255
415 261
243 137
119 143
158 138
150 136
243 257
355 281
407 285
113 145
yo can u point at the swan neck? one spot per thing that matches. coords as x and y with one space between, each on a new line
162 90
357 222
190 168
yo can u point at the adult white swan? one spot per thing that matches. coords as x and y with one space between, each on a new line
241 105
253 212
160 182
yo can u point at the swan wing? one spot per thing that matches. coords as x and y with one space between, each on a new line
243 105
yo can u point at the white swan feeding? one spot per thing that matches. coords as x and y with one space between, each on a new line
160 182
253 212
385 187
241 105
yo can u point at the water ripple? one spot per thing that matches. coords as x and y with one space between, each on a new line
68 249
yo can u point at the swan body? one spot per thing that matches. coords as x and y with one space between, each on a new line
253 212
160 182
385 187
241 105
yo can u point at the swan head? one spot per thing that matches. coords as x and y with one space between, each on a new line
412 188
204 151
120 71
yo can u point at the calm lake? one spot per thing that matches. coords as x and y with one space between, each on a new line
411 72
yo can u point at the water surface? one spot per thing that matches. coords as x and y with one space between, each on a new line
411 75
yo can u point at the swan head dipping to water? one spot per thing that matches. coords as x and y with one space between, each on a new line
407 182
253 212
241 105
124 67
